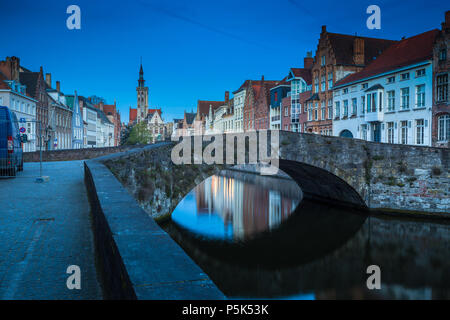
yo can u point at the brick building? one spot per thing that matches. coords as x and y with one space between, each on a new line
337 55
262 104
251 90
441 106
113 115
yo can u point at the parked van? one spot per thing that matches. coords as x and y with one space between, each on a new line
11 154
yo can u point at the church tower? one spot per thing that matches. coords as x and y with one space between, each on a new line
142 97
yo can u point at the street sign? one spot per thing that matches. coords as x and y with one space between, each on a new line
22 130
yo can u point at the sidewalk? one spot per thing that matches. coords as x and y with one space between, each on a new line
44 228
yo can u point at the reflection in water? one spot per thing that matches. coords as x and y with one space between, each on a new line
237 206
319 252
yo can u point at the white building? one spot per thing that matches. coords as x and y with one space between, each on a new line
391 99
239 102
13 95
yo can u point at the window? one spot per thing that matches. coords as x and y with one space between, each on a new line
443 54
444 128
316 111
372 102
310 112
364 86
345 108
345 90
330 108
316 84
330 80
442 88
404 76
391 100
420 73
354 106
363 104
390 132
286 111
324 111
420 95
391 80
405 98
338 109
403 132
322 61
420 131
322 82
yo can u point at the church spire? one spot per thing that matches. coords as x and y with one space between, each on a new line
141 80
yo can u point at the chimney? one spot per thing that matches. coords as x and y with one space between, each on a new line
308 61
227 96
358 51
446 24
100 105
11 68
48 79
262 80
58 86
324 29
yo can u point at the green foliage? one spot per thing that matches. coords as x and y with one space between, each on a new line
139 134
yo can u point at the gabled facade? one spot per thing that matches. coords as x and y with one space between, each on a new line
337 56
77 121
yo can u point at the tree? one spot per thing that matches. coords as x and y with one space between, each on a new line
139 134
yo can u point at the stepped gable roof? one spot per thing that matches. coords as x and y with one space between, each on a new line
401 54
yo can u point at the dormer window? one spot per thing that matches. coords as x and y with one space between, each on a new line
391 80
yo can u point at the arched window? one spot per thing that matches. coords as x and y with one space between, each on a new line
346 134
444 127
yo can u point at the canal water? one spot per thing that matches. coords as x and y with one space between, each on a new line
257 238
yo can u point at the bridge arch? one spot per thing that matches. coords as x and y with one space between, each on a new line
322 185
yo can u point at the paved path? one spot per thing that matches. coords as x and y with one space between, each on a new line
44 228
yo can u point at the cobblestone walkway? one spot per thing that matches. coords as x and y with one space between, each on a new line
44 228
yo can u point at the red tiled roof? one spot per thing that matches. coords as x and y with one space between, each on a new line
203 106
303 73
342 45
133 113
400 54
109 108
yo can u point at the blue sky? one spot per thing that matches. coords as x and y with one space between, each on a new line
190 49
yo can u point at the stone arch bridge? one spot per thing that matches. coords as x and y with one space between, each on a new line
343 171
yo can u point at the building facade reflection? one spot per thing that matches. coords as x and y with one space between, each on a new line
247 204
